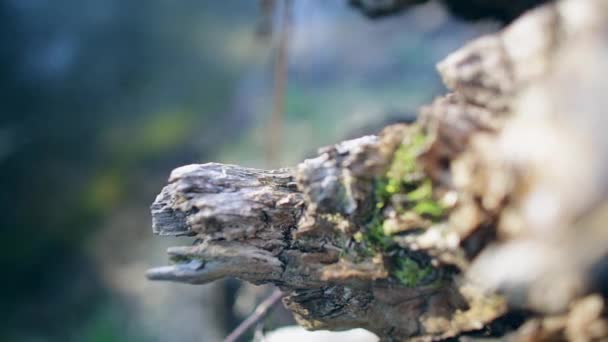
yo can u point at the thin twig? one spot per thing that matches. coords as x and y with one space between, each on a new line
280 83
259 313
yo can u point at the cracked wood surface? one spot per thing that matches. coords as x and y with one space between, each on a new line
255 225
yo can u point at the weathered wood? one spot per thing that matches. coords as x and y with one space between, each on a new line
242 217
255 225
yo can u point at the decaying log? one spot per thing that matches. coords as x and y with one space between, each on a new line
255 225
485 217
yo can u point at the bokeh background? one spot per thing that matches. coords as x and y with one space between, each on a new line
100 99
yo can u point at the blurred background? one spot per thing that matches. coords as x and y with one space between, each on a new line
102 99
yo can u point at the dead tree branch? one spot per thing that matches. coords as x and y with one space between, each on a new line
260 312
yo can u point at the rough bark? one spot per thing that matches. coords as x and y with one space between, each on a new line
257 226
485 217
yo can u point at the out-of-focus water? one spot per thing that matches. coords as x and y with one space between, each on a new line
101 99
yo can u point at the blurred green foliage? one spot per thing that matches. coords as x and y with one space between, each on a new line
84 127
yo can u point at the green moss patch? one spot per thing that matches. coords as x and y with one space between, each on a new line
406 189
409 272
